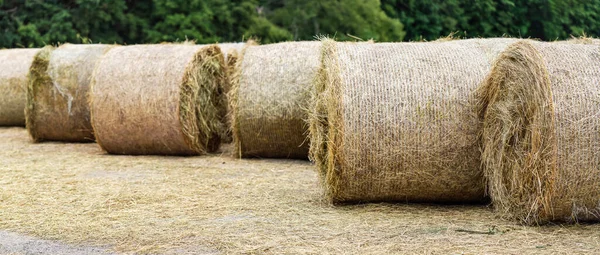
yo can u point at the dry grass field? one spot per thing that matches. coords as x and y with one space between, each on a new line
79 195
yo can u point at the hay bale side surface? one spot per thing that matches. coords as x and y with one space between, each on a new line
14 67
398 122
57 96
269 99
540 137
159 99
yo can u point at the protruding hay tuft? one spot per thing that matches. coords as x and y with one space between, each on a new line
159 99
14 68
57 103
269 99
584 40
539 106
397 121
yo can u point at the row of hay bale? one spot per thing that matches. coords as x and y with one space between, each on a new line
165 99
451 121
456 121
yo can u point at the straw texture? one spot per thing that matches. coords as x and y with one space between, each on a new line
540 136
57 103
159 99
398 122
231 51
14 67
584 40
269 99
231 54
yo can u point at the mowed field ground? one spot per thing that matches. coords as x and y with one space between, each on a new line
79 196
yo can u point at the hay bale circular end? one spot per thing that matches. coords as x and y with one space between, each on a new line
37 75
159 99
540 137
518 139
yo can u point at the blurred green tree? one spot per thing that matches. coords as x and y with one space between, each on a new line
426 19
358 18
544 19
209 21
34 23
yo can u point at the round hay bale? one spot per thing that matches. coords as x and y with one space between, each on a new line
539 107
57 102
398 122
269 98
14 67
159 99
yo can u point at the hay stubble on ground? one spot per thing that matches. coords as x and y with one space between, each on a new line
77 194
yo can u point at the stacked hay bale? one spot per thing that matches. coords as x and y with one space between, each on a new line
159 99
57 103
541 138
269 97
398 122
14 67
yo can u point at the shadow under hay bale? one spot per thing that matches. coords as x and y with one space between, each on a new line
398 122
541 138
269 98
159 99
57 103
14 67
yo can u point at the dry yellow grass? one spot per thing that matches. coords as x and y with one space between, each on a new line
211 204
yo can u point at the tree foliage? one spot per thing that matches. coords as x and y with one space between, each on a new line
343 19
544 19
34 23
